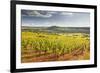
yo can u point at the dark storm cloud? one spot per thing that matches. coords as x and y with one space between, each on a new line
51 18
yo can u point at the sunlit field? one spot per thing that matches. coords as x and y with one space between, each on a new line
43 46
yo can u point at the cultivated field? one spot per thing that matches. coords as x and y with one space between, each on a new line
43 46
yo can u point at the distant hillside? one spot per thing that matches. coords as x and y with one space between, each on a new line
57 29
53 27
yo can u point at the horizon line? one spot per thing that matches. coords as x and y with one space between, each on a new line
54 25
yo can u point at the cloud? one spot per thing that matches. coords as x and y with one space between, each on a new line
67 13
44 14
52 12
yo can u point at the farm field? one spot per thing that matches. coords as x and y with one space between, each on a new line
45 46
48 36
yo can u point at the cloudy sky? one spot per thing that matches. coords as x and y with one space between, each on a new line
54 18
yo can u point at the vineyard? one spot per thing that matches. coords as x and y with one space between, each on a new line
42 46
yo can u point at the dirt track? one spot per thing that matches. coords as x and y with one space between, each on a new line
33 56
